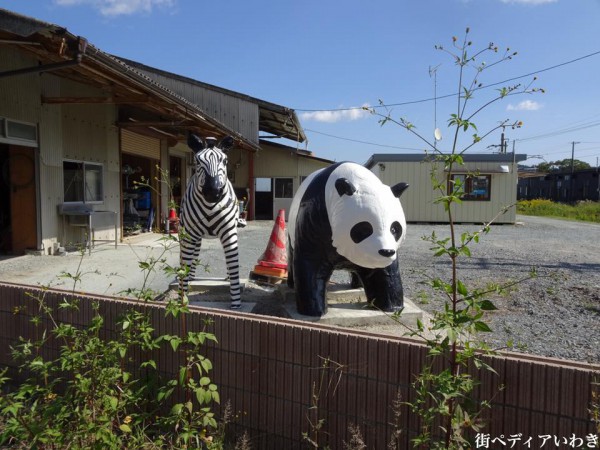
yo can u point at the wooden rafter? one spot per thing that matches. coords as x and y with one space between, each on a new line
96 100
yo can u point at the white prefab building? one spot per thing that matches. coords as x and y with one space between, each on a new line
489 180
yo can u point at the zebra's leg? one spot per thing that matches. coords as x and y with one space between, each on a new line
230 248
189 250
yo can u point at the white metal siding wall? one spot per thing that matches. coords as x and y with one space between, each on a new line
270 163
279 163
306 166
418 199
77 132
19 95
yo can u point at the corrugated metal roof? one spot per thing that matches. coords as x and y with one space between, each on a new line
100 67
25 26
300 152
467 157
275 119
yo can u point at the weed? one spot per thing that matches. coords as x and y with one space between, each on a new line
444 397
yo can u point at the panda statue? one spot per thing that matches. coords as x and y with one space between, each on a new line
344 217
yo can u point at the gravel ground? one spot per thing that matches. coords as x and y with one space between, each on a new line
556 314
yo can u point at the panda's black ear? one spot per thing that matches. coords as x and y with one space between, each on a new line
343 186
398 189
195 143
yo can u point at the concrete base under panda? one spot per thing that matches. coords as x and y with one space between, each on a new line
349 308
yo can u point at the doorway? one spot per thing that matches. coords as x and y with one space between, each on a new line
18 200
263 209
283 195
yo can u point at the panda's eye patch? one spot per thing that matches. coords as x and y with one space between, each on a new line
396 230
361 231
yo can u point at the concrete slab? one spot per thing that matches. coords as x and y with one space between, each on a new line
246 307
358 314
213 292
347 307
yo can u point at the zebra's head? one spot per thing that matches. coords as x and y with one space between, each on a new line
211 165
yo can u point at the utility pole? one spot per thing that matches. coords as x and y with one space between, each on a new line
598 176
571 193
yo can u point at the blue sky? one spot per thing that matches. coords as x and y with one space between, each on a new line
322 56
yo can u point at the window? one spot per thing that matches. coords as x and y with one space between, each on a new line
473 187
284 187
83 182
18 132
263 185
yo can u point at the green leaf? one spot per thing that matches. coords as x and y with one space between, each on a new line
182 375
125 428
175 343
487 305
466 251
451 333
150 363
482 326
461 288
420 325
206 364
200 395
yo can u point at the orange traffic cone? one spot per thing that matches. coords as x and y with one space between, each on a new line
173 221
273 261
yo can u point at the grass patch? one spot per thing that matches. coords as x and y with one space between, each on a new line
587 211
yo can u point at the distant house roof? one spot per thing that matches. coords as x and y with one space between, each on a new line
417 157
298 151
556 173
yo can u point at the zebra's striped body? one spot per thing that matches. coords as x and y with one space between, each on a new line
209 210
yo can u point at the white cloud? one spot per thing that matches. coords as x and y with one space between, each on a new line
119 7
525 105
530 2
349 114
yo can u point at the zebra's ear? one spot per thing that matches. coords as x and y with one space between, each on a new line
195 143
226 143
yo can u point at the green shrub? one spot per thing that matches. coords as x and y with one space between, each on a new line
97 395
587 211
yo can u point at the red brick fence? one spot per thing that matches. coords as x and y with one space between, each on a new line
267 367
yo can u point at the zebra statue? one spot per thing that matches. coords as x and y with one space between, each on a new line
209 210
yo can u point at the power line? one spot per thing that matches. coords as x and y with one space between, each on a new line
412 102
363 142
559 132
